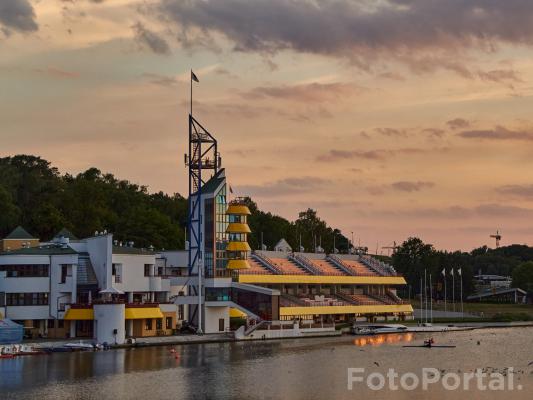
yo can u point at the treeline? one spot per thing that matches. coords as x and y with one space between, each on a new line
414 256
35 195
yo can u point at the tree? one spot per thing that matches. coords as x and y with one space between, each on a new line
523 277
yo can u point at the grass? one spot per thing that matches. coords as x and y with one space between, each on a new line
488 310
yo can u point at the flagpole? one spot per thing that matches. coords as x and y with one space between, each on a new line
421 301
191 92
445 294
453 290
462 306
426 295
430 299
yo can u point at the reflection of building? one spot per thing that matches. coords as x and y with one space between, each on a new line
54 288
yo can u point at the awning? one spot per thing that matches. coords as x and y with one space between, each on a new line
143 312
79 314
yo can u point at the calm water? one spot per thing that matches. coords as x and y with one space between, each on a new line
299 369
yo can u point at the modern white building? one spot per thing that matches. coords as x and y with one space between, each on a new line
66 287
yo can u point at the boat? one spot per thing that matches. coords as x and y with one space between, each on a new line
378 329
79 346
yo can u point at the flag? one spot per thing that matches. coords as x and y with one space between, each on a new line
459 271
230 189
444 272
451 272
194 77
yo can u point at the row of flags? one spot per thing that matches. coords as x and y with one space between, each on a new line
451 272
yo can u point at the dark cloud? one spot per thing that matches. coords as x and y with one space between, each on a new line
407 186
520 191
287 186
17 15
458 123
498 133
434 132
57 73
161 80
312 92
151 40
425 34
392 132
335 155
500 76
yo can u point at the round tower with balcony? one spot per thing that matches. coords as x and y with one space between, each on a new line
238 248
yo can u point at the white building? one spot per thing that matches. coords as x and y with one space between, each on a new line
56 288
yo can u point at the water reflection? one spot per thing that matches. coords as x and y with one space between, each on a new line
378 340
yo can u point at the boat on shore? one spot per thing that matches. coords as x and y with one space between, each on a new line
16 350
376 329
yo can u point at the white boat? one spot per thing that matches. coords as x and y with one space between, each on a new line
378 329
80 346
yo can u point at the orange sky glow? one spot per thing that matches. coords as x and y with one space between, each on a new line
391 118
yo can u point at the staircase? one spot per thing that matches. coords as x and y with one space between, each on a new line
339 264
85 273
266 262
305 263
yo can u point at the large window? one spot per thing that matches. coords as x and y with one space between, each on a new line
26 299
26 270
168 323
148 324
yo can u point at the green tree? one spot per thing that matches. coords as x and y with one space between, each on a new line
523 277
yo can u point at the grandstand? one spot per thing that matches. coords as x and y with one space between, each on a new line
333 287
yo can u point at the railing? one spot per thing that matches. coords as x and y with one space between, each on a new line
305 263
340 264
379 266
267 262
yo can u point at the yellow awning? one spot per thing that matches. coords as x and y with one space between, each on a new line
79 314
327 310
238 264
235 227
143 312
238 246
238 209
324 279
234 313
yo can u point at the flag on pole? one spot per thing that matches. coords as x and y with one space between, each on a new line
194 77
451 272
459 271
230 189
444 272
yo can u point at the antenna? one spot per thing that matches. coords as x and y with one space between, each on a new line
498 237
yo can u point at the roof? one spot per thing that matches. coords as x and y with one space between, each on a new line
496 292
41 251
19 233
216 180
132 250
66 234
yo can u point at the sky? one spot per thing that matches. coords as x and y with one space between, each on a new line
391 118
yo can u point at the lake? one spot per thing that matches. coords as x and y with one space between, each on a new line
289 369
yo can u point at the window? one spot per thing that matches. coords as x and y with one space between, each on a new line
51 324
168 323
60 323
64 269
26 270
147 269
159 324
26 299
148 324
181 309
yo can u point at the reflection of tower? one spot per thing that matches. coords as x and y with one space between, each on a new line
498 237
203 155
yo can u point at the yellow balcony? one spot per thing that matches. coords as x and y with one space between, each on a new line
235 227
238 264
238 209
238 246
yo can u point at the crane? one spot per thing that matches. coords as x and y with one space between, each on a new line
498 237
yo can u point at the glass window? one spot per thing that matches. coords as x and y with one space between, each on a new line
148 324
168 323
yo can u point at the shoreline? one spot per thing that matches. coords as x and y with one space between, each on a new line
224 338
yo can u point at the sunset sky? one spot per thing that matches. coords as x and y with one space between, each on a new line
392 118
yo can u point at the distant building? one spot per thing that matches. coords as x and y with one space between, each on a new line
53 289
19 238
500 295
282 245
